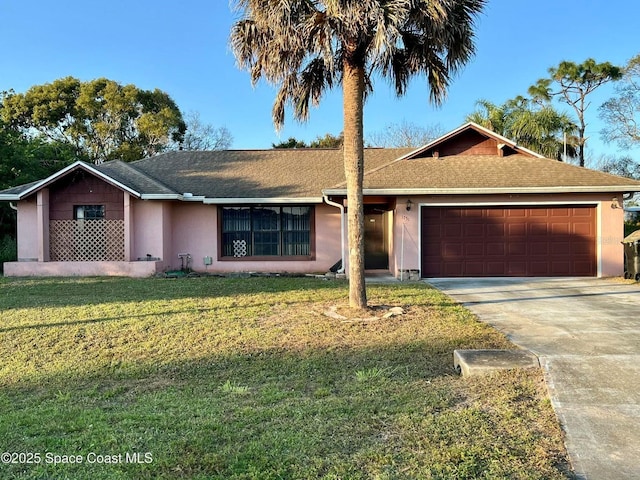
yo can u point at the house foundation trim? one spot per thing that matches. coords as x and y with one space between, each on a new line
82 269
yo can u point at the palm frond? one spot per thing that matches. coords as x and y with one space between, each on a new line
309 40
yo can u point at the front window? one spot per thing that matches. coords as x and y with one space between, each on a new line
266 231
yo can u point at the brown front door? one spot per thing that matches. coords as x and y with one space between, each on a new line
376 254
525 241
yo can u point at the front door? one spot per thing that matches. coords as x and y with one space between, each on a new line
376 254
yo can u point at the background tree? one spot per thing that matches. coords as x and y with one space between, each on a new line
624 166
305 48
291 142
405 134
572 83
621 113
203 136
102 119
24 160
490 116
538 127
326 141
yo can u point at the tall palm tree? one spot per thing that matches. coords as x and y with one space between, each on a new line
489 115
305 47
538 127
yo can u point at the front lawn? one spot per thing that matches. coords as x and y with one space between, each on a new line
247 378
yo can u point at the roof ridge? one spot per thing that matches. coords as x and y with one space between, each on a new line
250 150
478 128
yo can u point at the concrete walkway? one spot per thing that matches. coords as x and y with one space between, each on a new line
586 332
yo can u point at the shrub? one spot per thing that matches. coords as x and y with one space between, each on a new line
630 227
8 250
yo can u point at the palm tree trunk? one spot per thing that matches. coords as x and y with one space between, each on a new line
353 151
582 141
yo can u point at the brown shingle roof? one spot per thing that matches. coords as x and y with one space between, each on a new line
488 172
128 175
18 189
285 173
305 174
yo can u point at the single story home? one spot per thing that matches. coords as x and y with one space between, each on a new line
471 203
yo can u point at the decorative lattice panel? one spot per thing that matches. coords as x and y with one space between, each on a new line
239 248
86 240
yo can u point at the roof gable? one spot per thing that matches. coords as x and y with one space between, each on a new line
23 191
471 139
472 159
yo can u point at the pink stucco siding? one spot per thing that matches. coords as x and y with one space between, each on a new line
167 229
28 230
162 230
150 222
195 231
81 269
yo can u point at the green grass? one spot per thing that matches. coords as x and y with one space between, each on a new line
247 379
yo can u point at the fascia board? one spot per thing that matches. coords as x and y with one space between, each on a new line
277 200
230 201
160 196
9 198
484 191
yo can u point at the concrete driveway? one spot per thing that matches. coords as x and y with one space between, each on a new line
586 332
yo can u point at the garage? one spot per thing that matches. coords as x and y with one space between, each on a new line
508 241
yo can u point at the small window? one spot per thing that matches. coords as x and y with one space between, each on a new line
88 212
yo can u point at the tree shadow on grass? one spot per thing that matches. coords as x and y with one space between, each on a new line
58 292
280 395
307 413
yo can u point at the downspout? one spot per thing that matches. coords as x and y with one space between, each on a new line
342 243
13 207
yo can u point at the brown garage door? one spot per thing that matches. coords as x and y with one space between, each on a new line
508 241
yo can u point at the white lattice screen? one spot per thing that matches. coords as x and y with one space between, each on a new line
86 240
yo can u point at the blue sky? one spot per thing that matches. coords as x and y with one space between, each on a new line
182 49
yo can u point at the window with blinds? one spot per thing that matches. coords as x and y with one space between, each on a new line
266 231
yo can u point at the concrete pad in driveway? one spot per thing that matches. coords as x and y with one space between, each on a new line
586 333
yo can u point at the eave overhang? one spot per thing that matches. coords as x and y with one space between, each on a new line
488 191
249 200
